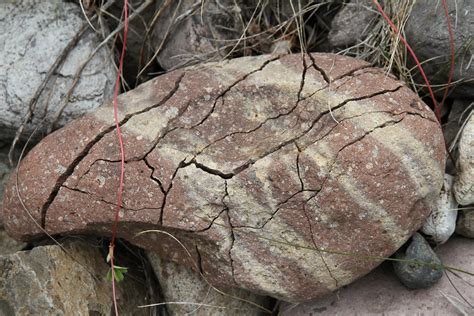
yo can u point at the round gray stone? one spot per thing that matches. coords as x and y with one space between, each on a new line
419 268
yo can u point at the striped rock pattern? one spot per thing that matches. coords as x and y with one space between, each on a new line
278 174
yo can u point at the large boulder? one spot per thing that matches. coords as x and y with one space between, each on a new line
35 34
278 174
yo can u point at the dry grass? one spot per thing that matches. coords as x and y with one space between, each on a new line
381 47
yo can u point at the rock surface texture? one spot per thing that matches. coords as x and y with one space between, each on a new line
34 35
464 183
441 223
9 245
270 170
350 25
47 281
427 32
180 284
465 224
423 266
187 33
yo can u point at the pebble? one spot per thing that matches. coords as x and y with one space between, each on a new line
413 274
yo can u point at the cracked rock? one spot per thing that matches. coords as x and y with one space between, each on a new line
285 172
34 35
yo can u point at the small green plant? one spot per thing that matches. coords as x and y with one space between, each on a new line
118 272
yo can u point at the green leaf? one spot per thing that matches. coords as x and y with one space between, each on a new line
118 275
109 275
118 272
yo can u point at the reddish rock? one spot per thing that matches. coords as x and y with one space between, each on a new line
272 171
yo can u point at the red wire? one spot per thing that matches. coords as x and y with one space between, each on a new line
122 155
412 53
451 45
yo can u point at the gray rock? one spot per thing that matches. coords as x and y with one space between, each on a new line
418 273
459 112
381 293
197 33
427 32
54 283
464 182
47 281
34 33
9 245
180 284
349 26
465 224
441 223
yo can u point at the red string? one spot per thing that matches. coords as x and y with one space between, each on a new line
122 156
452 53
412 53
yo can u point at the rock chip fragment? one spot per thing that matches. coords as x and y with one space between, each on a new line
272 171
415 271
34 35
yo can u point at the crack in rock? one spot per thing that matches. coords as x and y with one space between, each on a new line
85 151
